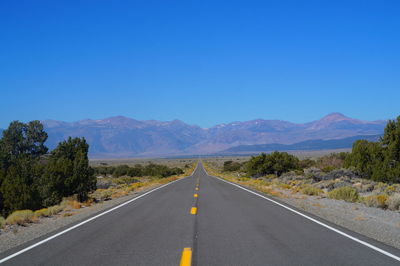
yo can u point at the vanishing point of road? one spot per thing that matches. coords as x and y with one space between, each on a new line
203 220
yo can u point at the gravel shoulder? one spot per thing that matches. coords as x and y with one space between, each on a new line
378 224
17 235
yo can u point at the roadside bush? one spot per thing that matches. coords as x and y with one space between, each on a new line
328 169
230 166
332 161
393 202
344 193
104 183
20 217
102 194
390 190
48 212
53 210
42 213
379 161
70 203
306 163
274 163
121 170
377 201
312 191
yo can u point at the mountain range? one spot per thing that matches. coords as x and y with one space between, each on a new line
308 145
119 136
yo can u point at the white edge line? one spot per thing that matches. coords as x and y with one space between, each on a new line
315 221
88 220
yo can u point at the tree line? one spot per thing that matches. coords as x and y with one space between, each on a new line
32 178
379 161
138 170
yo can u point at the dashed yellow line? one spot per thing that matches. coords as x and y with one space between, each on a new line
195 195
193 210
186 259
197 188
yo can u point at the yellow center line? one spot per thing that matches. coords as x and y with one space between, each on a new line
186 259
197 188
193 210
195 195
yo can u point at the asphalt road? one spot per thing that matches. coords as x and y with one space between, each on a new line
231 227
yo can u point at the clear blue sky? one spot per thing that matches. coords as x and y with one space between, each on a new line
203 62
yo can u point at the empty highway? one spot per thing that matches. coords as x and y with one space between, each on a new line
207 221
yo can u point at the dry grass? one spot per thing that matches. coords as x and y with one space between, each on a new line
119 194
42 213
393 202
344 193
88 202
75 204
135 186
311 191
318 205
360 217
47 212
284 186
103 194
70 203
67 214
377 201
21 217
302 197
53 210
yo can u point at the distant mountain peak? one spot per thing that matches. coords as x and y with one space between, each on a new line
118 118
333 117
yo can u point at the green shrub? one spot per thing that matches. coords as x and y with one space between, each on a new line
331 162
273 163
230 166
20 217
393 202
328 169
312 191
379 161
344 193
